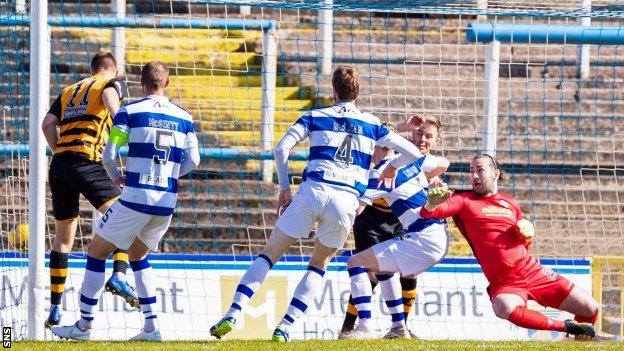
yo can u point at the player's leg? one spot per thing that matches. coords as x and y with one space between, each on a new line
391 293
277 244
553 290
358 267
148 240
582 305
90 291
408 294
65 208
100 191
112 231
408 284
336 213
305 291
367 230
294 223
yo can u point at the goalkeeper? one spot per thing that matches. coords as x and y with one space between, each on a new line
499 237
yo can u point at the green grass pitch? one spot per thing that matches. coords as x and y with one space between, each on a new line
318 345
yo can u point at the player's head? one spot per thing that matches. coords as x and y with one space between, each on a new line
428 135
346 83
484 174
381 152
104 62
154 78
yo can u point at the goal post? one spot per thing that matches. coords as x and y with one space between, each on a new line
38 165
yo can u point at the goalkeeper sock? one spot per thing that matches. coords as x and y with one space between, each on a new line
590 320
304 293
249 284
391 293
408 287
91 290
361 290
120 264
530 319
58 275
144 278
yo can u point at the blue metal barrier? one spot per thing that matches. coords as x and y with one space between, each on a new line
207 152
536 33
142 22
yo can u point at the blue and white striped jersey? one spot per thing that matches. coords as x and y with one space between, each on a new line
158 132
409 193
342 140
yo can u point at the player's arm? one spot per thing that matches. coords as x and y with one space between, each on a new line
190 156
112 95
293 136
50 123
441 204
409 153
118 138
525 230
435 166
412 123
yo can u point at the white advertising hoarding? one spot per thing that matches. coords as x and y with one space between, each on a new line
194 290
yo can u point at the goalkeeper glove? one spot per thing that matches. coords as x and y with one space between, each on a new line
437 196
526 231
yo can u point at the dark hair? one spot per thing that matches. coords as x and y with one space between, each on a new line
154 75
103 60
346 83
494 164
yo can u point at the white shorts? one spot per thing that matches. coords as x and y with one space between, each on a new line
330 208
412 253
120 226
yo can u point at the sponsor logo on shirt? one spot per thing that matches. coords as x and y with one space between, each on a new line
496 211
150 179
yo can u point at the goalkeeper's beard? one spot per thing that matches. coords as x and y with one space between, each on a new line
484 188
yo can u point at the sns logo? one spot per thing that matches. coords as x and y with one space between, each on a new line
263 311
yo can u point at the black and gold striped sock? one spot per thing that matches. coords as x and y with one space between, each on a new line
408 287
120 261
58 275
350 316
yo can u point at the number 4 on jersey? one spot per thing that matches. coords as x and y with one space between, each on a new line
343 153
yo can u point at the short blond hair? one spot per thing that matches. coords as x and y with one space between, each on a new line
346 83
433 121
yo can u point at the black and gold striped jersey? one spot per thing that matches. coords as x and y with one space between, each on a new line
84 121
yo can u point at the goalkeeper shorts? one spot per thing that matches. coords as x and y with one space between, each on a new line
120 226
532 281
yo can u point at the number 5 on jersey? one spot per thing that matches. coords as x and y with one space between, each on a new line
162 146
343 153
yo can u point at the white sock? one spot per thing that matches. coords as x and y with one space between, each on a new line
144 280
91 290
249 284
304 294
391 293
361 292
